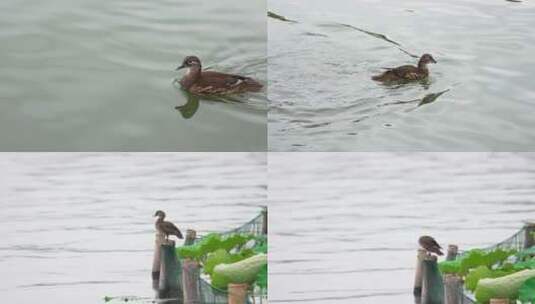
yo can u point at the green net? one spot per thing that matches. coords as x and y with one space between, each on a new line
256 226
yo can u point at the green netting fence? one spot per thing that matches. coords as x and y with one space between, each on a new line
211 295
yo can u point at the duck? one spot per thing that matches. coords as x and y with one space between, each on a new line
430 245
407 72
201 82
166 228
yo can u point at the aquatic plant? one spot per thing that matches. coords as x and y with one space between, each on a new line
221 256
262 279
214 250
506 287
526 293
245 271
495 272
211 243
475 258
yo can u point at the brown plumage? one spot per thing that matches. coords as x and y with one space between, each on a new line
166 228
407 72
201 82
428 243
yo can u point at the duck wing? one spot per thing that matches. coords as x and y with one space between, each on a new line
215 82
170 229
406 72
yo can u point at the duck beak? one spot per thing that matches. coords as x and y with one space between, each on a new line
433 60
180 67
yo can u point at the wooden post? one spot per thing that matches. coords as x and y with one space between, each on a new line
452 283
529 239
452 252
160 238
499 301
190 281
264 221
417 291
452 289
237 293
432 284
168 286
190 237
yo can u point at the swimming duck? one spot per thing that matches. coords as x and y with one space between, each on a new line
407 72
428 243
201 82
166 228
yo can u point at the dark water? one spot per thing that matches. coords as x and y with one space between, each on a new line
322 97
97 75
344 227
79 227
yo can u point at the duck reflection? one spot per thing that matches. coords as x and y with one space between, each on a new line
188 109
427 99
192 104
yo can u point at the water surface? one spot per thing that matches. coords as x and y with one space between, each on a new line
322 97
98 75
344 227
79 227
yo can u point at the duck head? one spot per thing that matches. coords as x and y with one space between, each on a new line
190 62
425 59
160 214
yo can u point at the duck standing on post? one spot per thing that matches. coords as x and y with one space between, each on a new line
407 72
428 243
166 228
201 82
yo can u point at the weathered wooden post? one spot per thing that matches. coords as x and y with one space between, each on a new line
432 284
453 289
168 285
529 238
264 221
237 293
452 283
160 238
499 301
191 235
190 281
452 252
417 291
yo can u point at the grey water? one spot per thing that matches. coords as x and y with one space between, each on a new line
98 75
344 226
76 228
480 96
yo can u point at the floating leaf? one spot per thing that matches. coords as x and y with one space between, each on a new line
234 241
526 293
220 256
262 278
529 264
475 275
